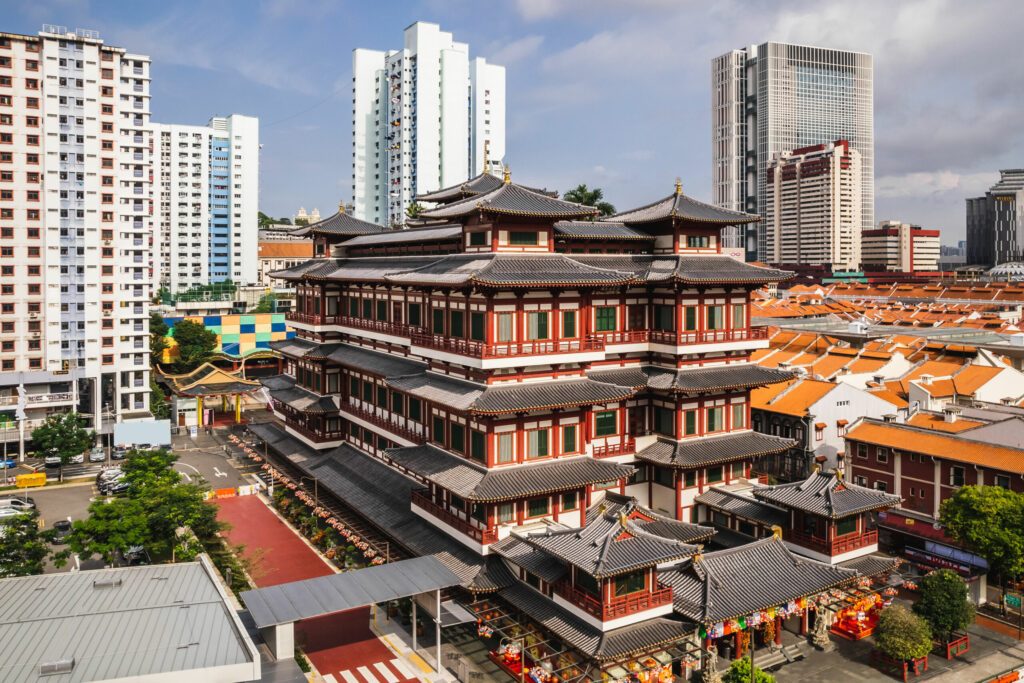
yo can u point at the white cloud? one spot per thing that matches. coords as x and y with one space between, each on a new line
933 184
509 53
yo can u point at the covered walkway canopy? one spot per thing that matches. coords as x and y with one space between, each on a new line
275 609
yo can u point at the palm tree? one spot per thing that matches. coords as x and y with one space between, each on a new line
581 194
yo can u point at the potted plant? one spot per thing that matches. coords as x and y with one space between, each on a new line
944 605
904 639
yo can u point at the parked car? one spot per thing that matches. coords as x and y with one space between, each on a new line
8 462
119 453
109 473
136 556
62 529
52 459
117 487
10 513
21 504
97 454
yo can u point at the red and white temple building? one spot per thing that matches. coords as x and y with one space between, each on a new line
545 398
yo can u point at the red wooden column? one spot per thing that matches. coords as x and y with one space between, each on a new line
778 630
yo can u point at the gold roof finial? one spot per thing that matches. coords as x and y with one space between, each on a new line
341 206
508 175
622 519
679 185
777 531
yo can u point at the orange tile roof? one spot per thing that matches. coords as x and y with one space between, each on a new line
973 377
798 398
286 249
940 445
938 423
888 393
829 364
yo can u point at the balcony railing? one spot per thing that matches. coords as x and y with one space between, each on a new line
624 337
626 446
707 336
478 349
318 435
383 423
382 326
484 536
835 547
622 606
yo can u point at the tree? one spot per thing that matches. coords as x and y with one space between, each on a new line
989 520
902 635
266 304
263 220
739 672
195 344
156 505
157 338
158 404
301 221
284 221
414 210
944 604
63 435
581 194
23 547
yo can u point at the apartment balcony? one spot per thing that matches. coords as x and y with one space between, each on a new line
478 349
383 423
484 536
626 446
837 546
618 607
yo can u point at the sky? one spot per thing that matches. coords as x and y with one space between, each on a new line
612 93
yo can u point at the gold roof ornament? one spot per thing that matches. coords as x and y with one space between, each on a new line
679 186
341 206
508 175
776 531
623 519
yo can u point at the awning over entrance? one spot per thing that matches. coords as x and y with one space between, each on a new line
291 602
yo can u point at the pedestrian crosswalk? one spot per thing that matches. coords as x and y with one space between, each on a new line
394 671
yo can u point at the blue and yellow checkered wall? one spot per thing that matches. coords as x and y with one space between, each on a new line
237 335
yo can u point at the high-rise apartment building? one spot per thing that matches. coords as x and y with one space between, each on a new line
75 228
774 97
900 247
813 207
995 222
208 202
423 117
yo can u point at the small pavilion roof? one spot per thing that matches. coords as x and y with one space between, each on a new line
478 185
617 539
716 450
340 223
475 482
697 380
510 199
828 495
743 506
434 233
209 380
683 207
284 390
599 230
726 584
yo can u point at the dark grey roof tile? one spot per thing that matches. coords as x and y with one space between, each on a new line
827 495
714 450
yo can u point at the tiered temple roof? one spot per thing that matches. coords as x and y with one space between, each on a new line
340 223
680 206
510 199
715 450
481 184
697 380
599 230
828 495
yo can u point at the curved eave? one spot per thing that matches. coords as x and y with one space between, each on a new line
683 555
549 285
732 280
724 387
529 214
609 238
704 621
746 219
556 406
545 491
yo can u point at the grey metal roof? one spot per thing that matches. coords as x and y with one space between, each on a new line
725 584
170 620
827 495
537 562
615 540
471 481
341 223
375 362
485 182
703 379
302 399
701 452
431 234
872 565
743 506
511 200
290 602
679 205
599 230
619 643
294 347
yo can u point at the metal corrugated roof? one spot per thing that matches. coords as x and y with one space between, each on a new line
161 619
290 602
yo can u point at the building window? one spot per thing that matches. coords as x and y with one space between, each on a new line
664 421
415 409
477 239
605 423
881 486
664 318
689 422
698 241
690 318
716 419
568 324
689 479
882 454
862 451
739 316
715 474
570 501
665 476
506 513
846 525
437 430
739 415
506 450
1002 480
505 327
626 584
569 444
537 325
522 238
605 318
956 476
477 326
537 443
716 317
477 446
414 314
458 324
457 438
438 321
538 507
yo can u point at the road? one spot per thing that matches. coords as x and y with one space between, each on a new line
341 646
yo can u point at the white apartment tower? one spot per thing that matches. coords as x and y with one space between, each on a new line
813 207
774 97
423 117
75 229
208 202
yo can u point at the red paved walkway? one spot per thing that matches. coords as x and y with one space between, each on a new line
342 644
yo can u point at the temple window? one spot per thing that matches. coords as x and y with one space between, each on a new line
716 317
739 316
457 437
665 476
689 422
506 513
537 325
569 442
689 479
415 410
568 324
458 324
690 318
382 397
716 419
810 526
505 327
415 312
665 318
368 392
477 446
698 241
438 321
382 309
537 443
587 583
437 430
847 525
715 474
739 415
605 318
605 423
570 501
477 239
353 308
477 325
506 451
630 583
457 503
538 507
664 421
523 238
397 403
367 309
479 513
